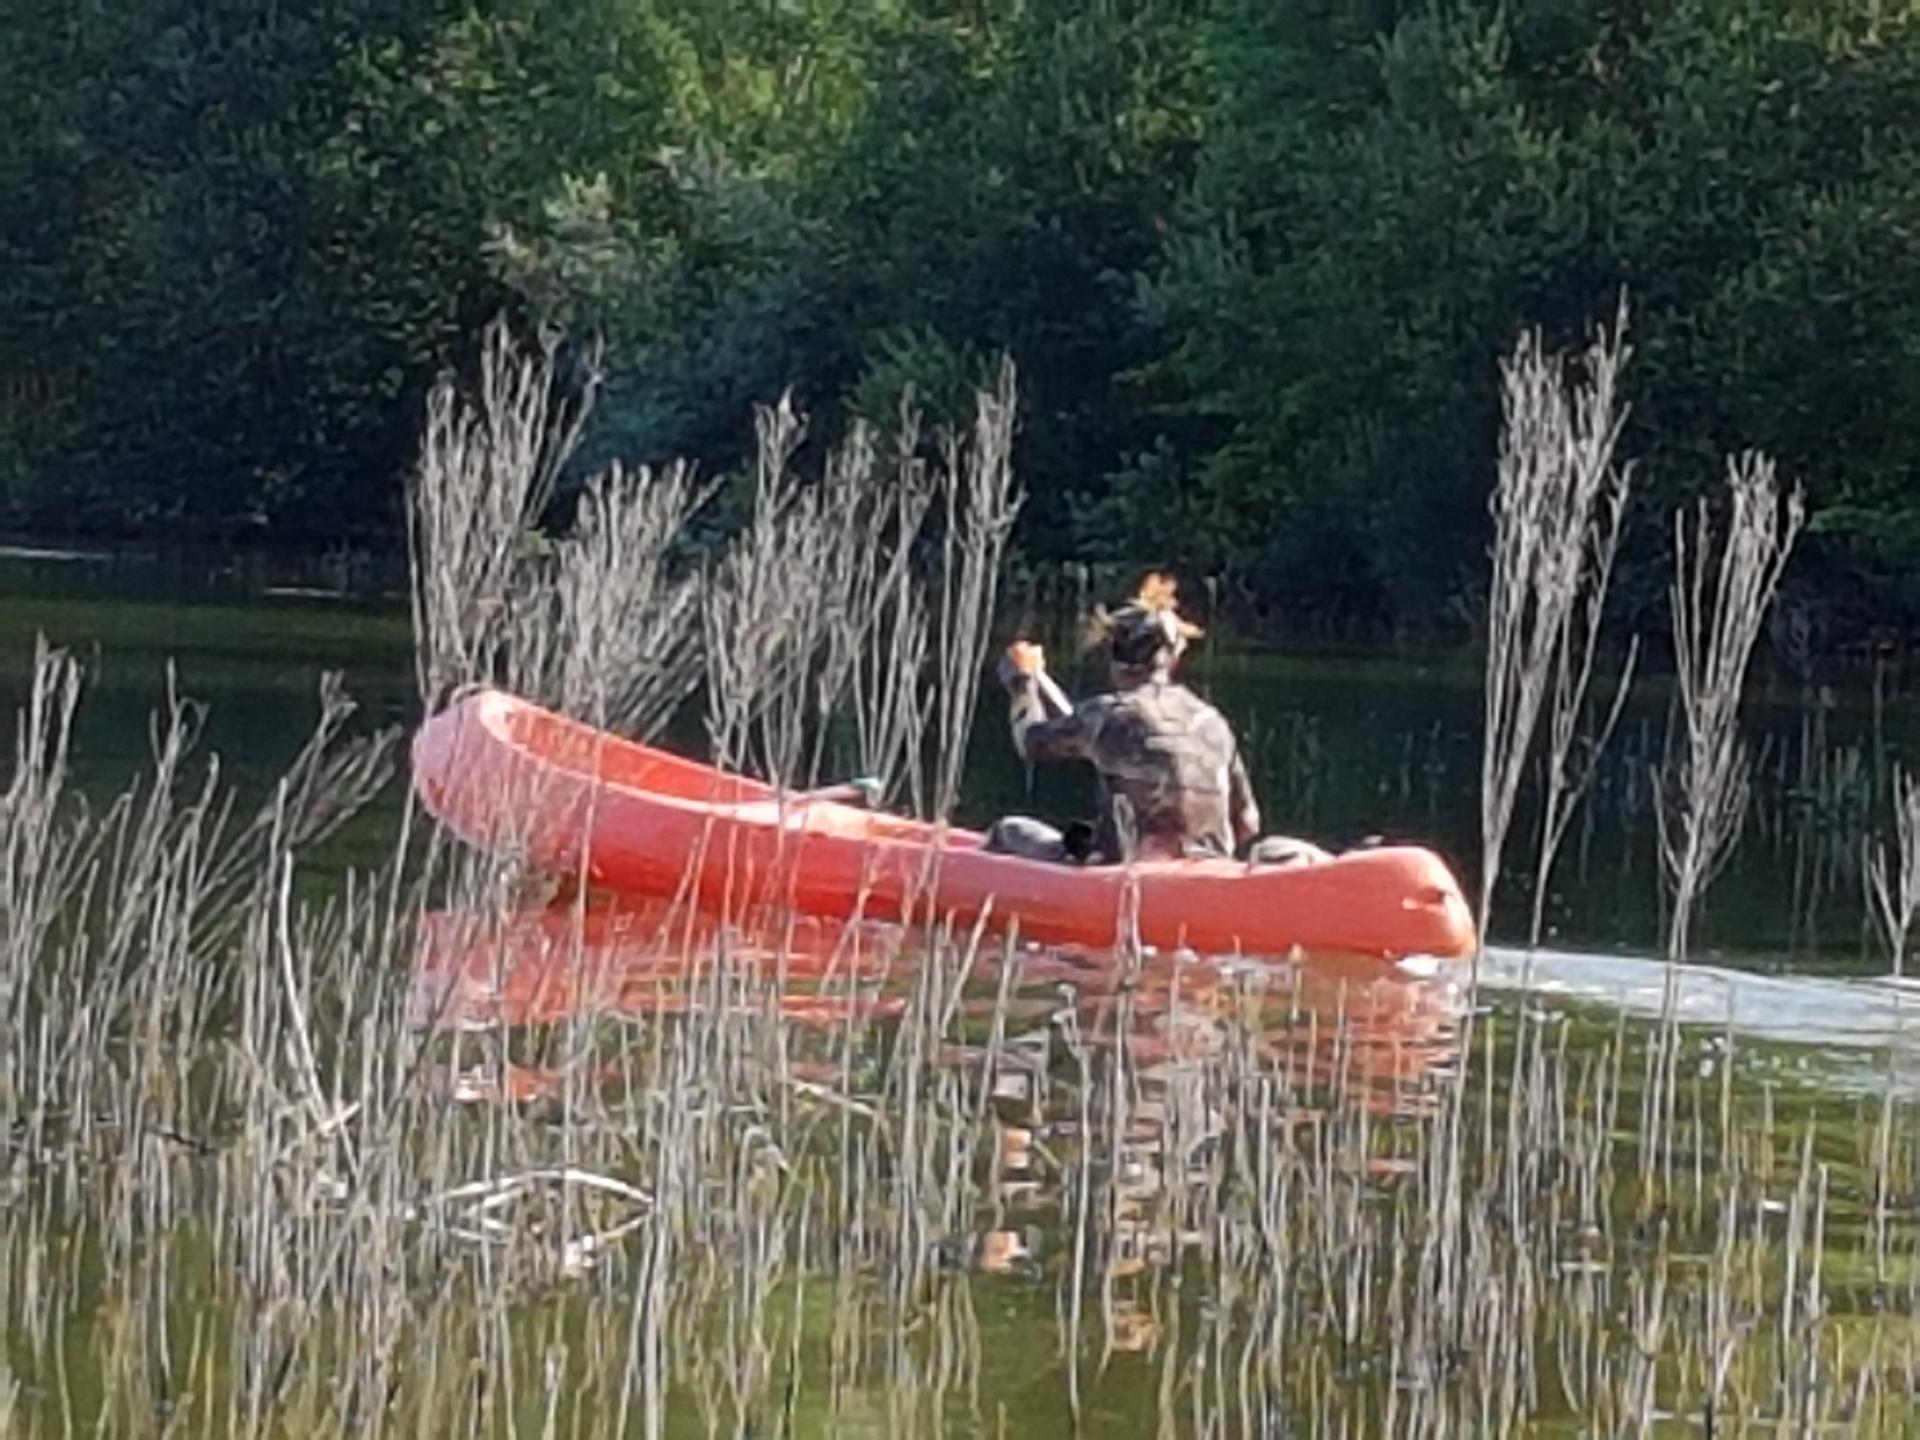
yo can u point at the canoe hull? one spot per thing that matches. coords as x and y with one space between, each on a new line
507 775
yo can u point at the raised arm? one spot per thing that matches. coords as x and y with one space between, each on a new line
1044 722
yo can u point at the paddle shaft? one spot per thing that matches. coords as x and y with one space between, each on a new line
864 791
1051 692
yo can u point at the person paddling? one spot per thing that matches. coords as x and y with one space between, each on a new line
1172 783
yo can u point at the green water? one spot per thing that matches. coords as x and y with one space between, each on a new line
1341 746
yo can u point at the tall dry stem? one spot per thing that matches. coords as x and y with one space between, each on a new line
886 689
600 620
1566 778
1893 879
1558 504
1721 589
487 467
619 645
864 598
774 604
43 858
981 499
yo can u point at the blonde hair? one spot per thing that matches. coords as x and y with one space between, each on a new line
1156 600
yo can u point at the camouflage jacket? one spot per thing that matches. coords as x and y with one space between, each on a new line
1171 779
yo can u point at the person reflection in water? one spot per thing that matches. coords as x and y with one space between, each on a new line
1172 783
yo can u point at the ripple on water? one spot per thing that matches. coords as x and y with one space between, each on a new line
1855 1032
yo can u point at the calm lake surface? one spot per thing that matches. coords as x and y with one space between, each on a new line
1342 747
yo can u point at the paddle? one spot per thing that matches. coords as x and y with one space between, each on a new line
1051 692
863 791
1030 660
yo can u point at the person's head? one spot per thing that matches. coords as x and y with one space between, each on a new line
1145 637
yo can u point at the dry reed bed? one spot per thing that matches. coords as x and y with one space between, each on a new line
967 1189
1254 1200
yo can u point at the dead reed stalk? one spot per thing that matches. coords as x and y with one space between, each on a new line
622 636
981 499
775 604
1893 879
1558 504
1722 587
863 598
487 468
599 619
884 687
248 1193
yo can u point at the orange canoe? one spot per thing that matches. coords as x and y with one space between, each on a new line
505 774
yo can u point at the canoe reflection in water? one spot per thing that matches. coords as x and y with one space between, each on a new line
1358 1022
1139 1067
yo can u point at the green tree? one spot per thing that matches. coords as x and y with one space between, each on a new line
1389 193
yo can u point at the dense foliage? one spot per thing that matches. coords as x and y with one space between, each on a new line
1257 258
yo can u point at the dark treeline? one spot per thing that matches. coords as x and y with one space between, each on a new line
1257 259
